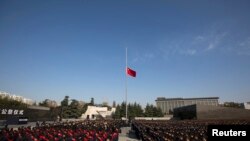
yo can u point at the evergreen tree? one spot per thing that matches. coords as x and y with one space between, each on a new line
152 111
75 110
65 110
92 101
114 104
6 102
117 113
65 101
148 111
134 110
123 110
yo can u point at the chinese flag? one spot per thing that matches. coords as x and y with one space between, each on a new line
131 72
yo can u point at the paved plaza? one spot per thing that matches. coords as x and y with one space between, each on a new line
127 135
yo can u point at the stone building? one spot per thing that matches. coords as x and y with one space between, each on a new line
167 105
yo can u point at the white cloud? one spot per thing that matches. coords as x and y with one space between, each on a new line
199 38
245 43
244 53
191 51
149 55
187 51
244 47
214 40
192 45
210 46
142 57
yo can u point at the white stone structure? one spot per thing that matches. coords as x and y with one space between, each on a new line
247 105
94 111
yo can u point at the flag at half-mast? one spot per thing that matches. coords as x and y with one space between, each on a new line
131 72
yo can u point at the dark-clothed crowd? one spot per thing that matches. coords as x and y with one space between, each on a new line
108 130
187 130
104 130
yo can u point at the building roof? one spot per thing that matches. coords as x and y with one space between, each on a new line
168 99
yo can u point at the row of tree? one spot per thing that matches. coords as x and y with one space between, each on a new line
6 102
74 109
135 110
71 108
234 105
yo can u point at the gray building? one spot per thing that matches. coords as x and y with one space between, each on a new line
209 112
167 105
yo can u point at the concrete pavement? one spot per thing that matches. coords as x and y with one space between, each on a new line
127 135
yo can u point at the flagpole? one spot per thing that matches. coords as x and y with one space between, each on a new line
126 89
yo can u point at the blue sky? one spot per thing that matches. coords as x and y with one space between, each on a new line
196 48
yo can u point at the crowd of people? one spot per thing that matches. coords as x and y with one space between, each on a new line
98 130
187 130
108 130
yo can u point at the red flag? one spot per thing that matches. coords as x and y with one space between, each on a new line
131 72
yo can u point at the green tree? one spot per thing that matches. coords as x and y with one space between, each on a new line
92 101
65 110
75 110
6 102
131 111
158 112
117 113
65 101
149 111
134 110
233 105
84 108
152 111
114 104
120 110
123 110
138 110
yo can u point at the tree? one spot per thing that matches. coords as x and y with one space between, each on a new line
105 104
233 105
65 111
152 111
84 108
123 110
34 103
170 111
48 103
158 112
148 111
65 101
92 101
117 113
114 104
43 103
75 110
131 111
120 110
6 102
134 110
138 110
